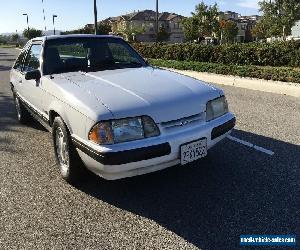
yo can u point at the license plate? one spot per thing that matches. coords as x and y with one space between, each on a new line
193 151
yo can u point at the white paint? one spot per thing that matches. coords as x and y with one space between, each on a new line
250 145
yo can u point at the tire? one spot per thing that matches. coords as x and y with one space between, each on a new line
23 115
70 165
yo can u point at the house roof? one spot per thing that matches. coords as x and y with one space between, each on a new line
166 16
145 15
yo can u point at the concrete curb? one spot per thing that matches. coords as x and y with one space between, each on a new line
276 87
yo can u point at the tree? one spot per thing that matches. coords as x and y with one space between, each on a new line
260 30
279 16
85 30
190 29
15 37
3 39
32 33
102 29
129 32
162 35
229 30
204 22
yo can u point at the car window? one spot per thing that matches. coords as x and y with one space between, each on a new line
73 50
32 61
121 53
89 54
19 61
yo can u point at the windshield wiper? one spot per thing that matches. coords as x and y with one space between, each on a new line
102 67
130 64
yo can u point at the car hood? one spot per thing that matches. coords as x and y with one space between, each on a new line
161 94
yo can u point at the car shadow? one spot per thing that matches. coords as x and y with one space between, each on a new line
7 55
234 190
7 60
4 68
8 115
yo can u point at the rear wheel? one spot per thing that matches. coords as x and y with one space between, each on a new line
23 115
68 160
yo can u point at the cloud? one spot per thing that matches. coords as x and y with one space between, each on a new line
250 4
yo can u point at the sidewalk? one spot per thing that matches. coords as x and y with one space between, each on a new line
283 88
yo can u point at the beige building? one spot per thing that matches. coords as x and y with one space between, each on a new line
245 24
144 22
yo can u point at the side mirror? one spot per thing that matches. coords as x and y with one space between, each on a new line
33 75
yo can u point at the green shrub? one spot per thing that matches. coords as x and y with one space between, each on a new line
284 74
261 54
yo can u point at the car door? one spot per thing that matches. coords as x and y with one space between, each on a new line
16 72
31 90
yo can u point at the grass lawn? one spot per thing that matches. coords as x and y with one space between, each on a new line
7 46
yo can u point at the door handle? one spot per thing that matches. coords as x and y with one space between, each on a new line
20 81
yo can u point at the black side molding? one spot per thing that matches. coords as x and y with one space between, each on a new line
222 129
40 118
123 157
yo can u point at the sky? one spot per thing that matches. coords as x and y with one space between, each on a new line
76 13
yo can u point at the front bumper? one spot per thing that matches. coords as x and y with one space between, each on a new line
126 156
149 155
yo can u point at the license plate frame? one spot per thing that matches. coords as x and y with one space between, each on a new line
185 151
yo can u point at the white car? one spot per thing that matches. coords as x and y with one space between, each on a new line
106 107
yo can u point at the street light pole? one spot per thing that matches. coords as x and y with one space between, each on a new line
157 24
44 15
95 17
54 16
27 20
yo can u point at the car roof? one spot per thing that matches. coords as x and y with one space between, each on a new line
54 37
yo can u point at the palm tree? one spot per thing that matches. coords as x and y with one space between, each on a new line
95 15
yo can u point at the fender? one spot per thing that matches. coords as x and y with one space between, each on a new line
74 120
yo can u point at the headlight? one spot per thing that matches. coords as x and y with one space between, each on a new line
216 108
123 130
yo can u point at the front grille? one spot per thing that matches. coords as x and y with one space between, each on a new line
186 121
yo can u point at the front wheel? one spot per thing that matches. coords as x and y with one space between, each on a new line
23 115
68 160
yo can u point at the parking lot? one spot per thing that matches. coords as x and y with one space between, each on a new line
247 185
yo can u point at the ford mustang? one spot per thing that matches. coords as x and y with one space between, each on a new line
110 111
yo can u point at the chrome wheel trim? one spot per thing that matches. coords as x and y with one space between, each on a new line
62 151
18 108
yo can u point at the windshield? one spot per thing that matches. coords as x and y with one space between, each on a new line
89 54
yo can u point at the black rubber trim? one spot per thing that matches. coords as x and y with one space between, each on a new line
123 157
222 129
33 111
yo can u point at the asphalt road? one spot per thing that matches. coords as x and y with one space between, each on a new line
208 205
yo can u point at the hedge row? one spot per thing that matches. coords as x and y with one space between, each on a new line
261 54
283 74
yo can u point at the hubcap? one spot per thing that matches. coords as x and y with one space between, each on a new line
62 151
18 108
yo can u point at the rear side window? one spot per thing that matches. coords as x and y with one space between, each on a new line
19 61
32 61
